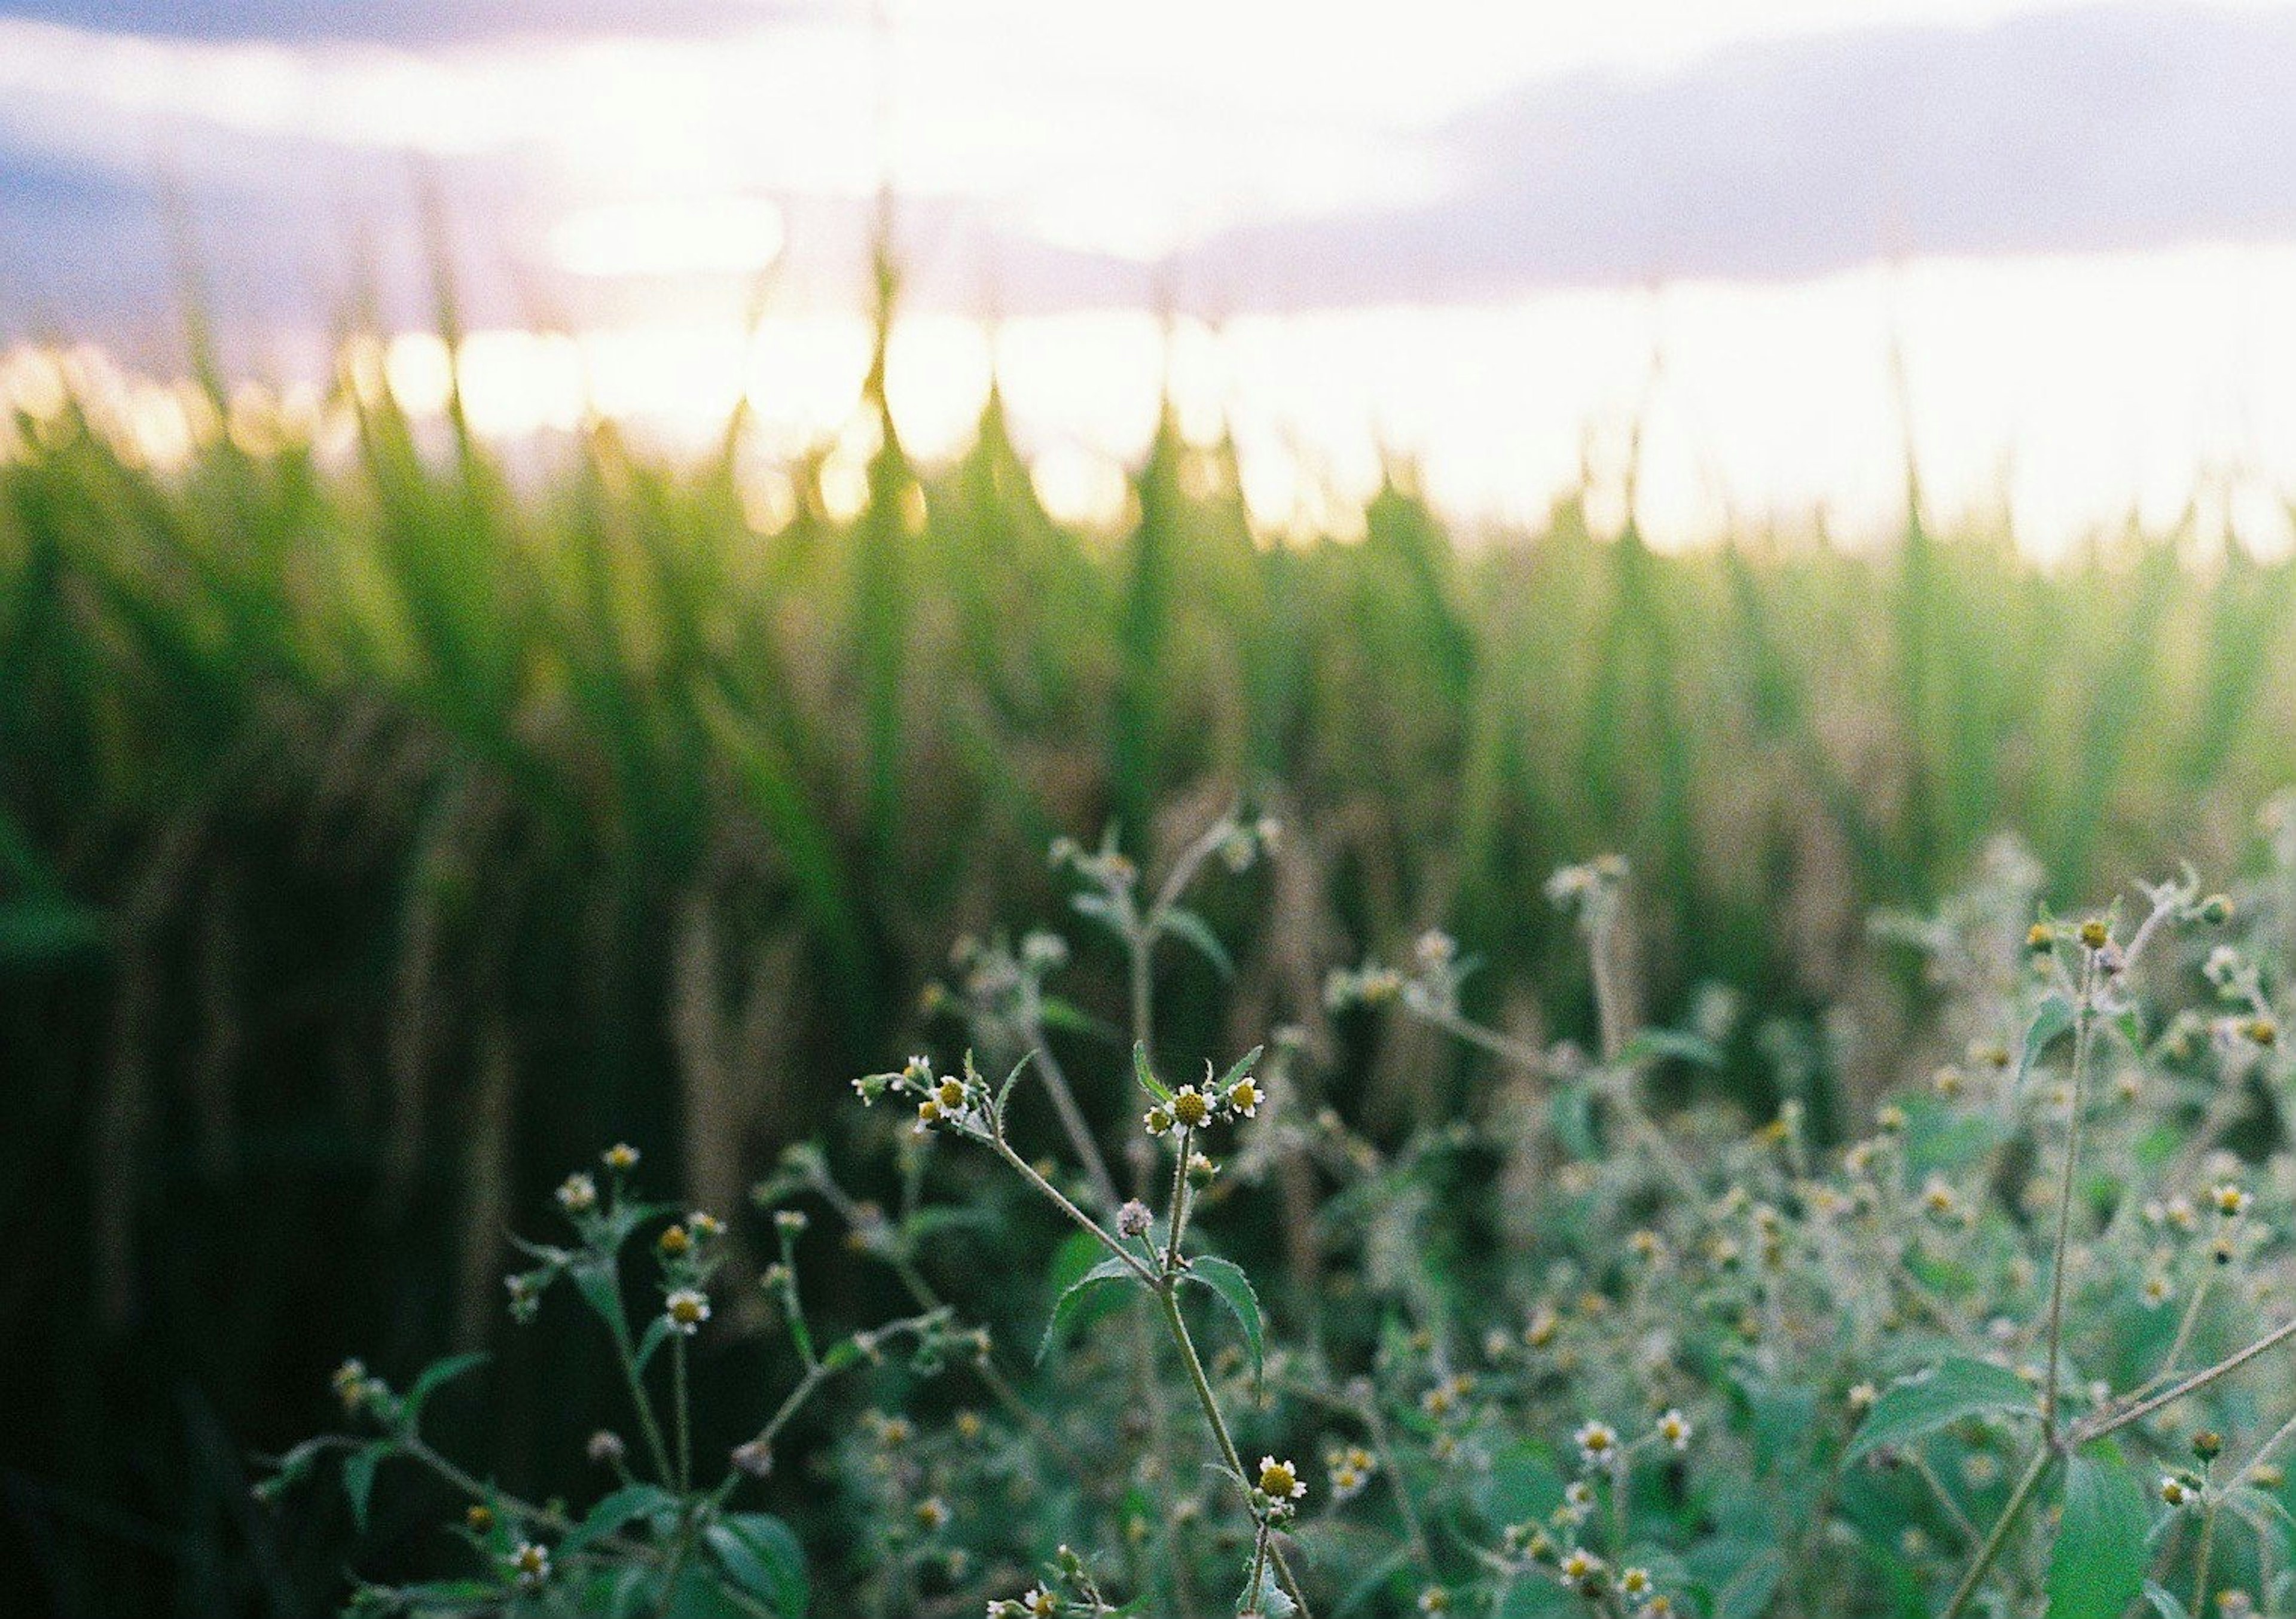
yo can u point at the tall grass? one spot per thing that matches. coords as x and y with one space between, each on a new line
379 833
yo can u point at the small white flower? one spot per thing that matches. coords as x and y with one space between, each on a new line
686 1310
1597 1442
531 1563
1281 1480
578 1194
1675 1428
1581 1568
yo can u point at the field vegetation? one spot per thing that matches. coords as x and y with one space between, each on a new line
382 833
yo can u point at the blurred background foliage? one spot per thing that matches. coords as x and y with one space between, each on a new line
380 834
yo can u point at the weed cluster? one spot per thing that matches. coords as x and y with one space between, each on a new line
1610 1353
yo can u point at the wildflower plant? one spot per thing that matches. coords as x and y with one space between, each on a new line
2011 1336
674 1536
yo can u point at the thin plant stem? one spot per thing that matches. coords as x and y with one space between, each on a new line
681 1411
2103 1423
678 1552
1143 996
1177 1325
1610 1001
791 1403
647 1424
1067 1206
997 1384
2204 1557
420 1450
1179 1207
818 1372
2084 1019
2011 1511
1073 1123
2176 1355
1969 1531
1258 1569
2265 1451
1384 1448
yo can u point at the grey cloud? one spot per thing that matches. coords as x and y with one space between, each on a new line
2101 128
397 23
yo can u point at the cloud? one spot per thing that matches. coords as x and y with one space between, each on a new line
397 23
2101 128
2106 126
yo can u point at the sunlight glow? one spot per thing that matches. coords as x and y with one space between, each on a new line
2068 397
670 236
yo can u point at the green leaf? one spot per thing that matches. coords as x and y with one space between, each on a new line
1933 1398
1780 1419
1227 1279
435 1597
1271 1599
1004 1091
2097 1568
1533 1597
2051 1018
657 1334
1079 1292
1742 1576
615 1512
437 1376
1648 1045
1237 1070
934 1218
358 1479
1067 1015
762 1555
36 931
1193 930
294 1467
1072 1257
1100 908
1146 1076
599 1283
2165 1602
1520 1483
1574 1120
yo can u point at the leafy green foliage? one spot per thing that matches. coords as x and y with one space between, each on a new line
2096 1569
1110 1274
1935 1397
1725 1369
1225 1280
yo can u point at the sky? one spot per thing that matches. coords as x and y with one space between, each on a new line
1317 181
